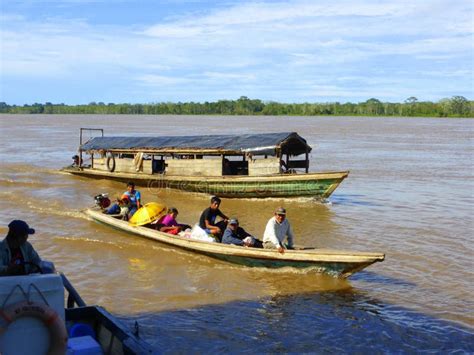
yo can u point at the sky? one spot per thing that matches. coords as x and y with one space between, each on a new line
149 51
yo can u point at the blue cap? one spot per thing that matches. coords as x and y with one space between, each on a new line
233 220
20 227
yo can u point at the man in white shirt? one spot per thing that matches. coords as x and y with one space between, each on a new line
278 228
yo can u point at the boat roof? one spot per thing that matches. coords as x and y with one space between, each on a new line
259 144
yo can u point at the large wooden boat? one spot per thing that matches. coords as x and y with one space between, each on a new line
232 166
333 262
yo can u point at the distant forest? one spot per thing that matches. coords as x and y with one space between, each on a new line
457 106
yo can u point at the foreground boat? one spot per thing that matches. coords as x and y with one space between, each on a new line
333 262
112 335
243 166
33 306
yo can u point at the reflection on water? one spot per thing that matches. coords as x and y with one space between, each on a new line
409 195
344 321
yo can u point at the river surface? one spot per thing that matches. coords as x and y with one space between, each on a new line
409 194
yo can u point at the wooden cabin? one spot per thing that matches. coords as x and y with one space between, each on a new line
209 155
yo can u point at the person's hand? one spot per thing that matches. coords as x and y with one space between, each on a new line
281 250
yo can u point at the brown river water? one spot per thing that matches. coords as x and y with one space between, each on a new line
409 194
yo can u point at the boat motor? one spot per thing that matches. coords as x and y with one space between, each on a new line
102 200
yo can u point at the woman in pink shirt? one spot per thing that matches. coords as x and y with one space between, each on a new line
168 223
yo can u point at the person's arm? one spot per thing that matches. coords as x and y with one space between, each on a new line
242 233
202 219
290 236
31 255
167 229
7 269
35 258
280 247
173 222
223 216
208 223
208 220
138 196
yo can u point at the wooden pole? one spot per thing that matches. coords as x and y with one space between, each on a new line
307 160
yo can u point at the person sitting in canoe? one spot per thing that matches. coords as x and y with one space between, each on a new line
124 205
120 208
133 204
236 235
208 218
278 228
135 198
168 223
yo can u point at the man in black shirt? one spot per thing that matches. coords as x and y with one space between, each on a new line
208 218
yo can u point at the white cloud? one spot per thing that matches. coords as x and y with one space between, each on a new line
160 80
231 76
262 47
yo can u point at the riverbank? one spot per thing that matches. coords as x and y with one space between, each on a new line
457 106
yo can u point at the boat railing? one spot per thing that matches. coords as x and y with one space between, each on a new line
73 296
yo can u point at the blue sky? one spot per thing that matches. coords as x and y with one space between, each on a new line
145 51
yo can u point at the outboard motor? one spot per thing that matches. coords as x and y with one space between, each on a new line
102 200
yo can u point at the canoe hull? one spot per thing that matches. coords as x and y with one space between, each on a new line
337 269
318 185
332 262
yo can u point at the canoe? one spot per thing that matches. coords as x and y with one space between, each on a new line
336 263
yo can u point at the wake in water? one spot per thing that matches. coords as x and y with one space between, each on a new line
93 241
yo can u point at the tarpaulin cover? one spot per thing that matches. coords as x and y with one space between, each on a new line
254 143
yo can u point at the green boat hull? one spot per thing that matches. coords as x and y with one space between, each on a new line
317 185
255 189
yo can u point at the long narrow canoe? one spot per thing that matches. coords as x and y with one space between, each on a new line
333 262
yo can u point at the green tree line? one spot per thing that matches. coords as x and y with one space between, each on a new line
456 106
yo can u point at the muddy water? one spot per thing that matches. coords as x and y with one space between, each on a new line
409 194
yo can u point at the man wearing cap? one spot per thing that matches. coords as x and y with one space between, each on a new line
238 236
278 228
16 253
